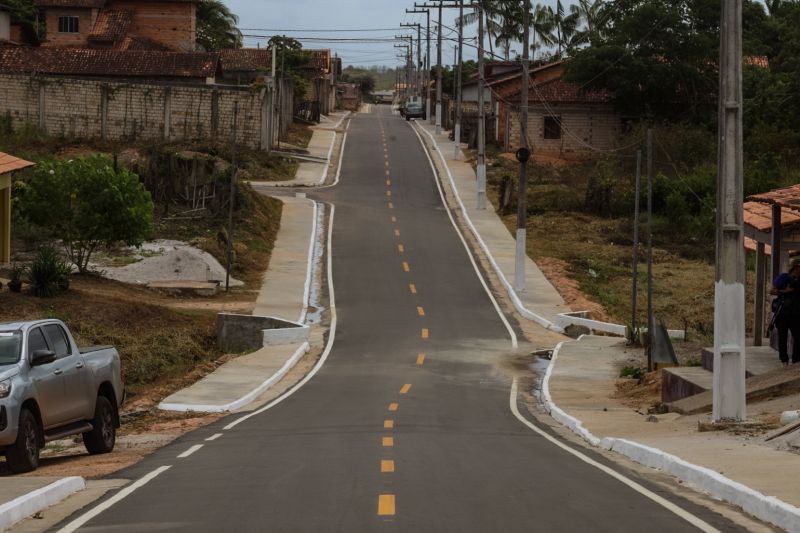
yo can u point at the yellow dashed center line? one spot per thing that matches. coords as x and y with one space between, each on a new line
388 424
412 288
421 359
394 219
397 233
401 248
388 193
393 406
386 505
405 388
420 311
388 442
387 172
391 205
424 333
388 183
406 268
387 465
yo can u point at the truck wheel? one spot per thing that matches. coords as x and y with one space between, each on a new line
102 438
23 456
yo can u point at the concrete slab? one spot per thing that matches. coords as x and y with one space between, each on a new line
758 360
539 296
284 285
683 381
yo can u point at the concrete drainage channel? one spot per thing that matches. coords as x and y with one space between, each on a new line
239 333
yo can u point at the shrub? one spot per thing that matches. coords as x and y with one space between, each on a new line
48 274
633 372
87 203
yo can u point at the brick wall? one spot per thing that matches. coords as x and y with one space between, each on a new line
86 18
170 23
584 130
92 109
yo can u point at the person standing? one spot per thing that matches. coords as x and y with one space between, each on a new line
787 312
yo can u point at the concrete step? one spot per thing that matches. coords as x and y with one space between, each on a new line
775 383
683 381
758 360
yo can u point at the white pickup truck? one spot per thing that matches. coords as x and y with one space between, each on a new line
50 389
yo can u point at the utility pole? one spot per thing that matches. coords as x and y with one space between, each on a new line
635 267
522 155
457 131
418 80
650 318
729 399
439 74
481 117
427 64
231 201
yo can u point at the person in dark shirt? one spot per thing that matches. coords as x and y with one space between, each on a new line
787 312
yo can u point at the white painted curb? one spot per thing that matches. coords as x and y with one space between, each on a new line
310 266
247 398
763 507
527 313
31 503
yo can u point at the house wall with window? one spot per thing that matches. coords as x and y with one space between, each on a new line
172 24
568 131
69 26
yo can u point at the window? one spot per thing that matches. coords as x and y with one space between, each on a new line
36 341
68 25
552 127
58 340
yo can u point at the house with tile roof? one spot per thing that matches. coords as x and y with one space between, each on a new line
120 24
564 120
8 165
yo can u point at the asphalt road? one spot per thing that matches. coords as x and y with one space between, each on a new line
407 426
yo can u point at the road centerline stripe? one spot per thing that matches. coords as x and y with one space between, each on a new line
190 451
386 505
406 267
405 388
420 311
391 205
387 465
412 288
397 233
388 424
425 333
214 437
401 248
420 359
387 442
393 406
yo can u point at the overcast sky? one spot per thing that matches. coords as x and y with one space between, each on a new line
262 19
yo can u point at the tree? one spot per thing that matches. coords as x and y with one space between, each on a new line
88 204
217 26
291 60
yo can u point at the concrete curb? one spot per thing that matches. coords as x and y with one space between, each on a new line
31 503
524 311
763 507
247 398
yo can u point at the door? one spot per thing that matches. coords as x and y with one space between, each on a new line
47 381
78 402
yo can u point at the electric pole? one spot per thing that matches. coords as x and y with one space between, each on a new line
427 77
418 80
439 74
522 155
481 117
457 131
729 399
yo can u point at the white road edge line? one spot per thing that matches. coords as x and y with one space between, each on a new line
692 519
524 311
190 451
328 346
500 313
121 495
341 158
215 436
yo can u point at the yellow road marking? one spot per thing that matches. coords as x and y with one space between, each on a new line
388 193
386 505
387 465
388 441
397 233
421 359
391 205
386 163
412 288
401 248
388 424
424 333
394 219
388 183
420 311
387 172
405 388
406 268
393 406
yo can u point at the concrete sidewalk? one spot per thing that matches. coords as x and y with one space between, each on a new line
579 386
540 301
322 146
21 497
284 294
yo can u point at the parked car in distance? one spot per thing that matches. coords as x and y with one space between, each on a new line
50 389
413 108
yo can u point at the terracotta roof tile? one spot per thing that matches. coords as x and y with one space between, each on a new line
9 163
111 25
71 3
787 197
135 42
246 59
109 63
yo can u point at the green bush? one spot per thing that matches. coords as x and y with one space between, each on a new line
633 372
48 274
87 203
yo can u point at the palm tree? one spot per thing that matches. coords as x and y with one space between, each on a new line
564 27
491 10
216 26
542 25
592 13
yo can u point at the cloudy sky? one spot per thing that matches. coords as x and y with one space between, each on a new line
262 19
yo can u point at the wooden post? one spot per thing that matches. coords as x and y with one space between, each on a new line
761 278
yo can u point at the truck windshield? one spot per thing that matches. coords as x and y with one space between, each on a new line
10 347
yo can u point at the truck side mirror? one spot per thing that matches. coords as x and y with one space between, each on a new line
42 357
